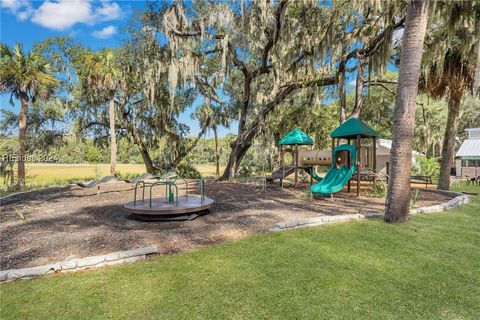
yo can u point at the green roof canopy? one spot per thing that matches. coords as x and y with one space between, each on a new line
296 136
353 127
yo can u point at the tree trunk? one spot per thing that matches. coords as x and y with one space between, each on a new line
359 89
448 148
113 137
22 137
476 81
217 153
342 95
398 196
187 150
237 154
147 160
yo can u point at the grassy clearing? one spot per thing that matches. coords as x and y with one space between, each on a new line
45 175
208 170
426 269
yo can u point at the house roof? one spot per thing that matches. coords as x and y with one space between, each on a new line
385 145
353 127
296 136
470 149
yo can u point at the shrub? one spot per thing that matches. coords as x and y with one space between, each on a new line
125 176
414 196
378 190
187 171
425 166
245 171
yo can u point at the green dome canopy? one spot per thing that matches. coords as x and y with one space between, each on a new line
296 136
353 127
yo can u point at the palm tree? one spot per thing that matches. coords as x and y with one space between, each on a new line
449 68
398 197
101 78
211 117
26 77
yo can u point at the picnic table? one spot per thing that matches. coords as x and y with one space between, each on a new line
421 179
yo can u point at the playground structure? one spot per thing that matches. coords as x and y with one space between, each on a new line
172 206
304 159
344 159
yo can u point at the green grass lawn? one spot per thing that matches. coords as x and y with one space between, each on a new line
426 269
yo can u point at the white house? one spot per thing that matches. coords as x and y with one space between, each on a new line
383 154
467 159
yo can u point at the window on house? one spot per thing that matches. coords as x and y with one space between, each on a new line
470 163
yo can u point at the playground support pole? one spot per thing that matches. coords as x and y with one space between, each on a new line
281 166
374 160
311 172
333 152
387 168
296 164
349 164
358 165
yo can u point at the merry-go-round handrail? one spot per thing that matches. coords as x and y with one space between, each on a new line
169 183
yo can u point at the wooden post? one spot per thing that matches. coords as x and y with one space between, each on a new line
281 166
388 170
358 165
311 172
374 160
333 153
295 163
349 163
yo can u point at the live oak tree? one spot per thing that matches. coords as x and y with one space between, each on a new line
149 115
272 49
27 77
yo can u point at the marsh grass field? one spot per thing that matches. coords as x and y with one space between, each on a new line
45 175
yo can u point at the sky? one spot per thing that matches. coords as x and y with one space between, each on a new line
95 24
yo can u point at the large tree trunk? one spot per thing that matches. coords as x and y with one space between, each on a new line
448 148
359 89
147 160
398 196
217 153
342 91
129 124
239 150
113 137
22 137
238 146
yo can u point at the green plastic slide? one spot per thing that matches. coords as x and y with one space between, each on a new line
313 174
334 181
337 177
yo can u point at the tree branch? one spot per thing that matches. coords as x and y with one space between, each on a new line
282 95
237 62
272 38
375 42
381 83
